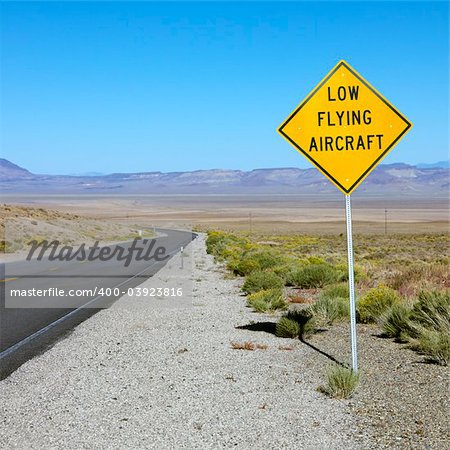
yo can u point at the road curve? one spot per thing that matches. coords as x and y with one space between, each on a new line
27 330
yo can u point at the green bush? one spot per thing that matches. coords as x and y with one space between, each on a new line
329 309
375 302
305 319
342 270
430 325
267 300
395 322
243 267
432 311
257 259
266 259
213 240
262 280
283 270
336 290
341 382
426 325
312 276
287 328
434 344
315 260
226 246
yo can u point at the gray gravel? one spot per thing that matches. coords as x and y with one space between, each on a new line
139 376
402 401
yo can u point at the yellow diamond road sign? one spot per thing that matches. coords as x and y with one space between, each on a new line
345 127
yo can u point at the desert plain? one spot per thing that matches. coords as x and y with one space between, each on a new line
275 214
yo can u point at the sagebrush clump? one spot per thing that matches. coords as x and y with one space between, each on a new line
327 309
395 322
341 382
287 328
305 320
336 290
375 302
312 276
267 300
430 331
262 280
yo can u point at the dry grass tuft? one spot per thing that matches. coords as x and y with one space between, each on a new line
341 382
261 346
248 345
285 347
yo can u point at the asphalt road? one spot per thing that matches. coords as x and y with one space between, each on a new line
25 316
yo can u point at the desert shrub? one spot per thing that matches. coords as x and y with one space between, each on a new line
261 280
341 382
420 276
312 276
296 323
243 267
226 246
258 259
315 260
290 273
329 309
230 252
336 290
342 273
375 302
279 303
430 325
395 322
267 300
432 310
284 270
287 328
434 344
213 239
426 325
305 319
266 259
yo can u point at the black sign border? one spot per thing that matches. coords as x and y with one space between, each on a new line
361 178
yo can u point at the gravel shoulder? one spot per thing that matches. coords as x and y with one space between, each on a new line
402 401
141 376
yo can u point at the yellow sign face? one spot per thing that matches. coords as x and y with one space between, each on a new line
345 127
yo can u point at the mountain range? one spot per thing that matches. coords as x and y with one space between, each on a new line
404 179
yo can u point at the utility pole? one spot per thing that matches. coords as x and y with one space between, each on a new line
385 221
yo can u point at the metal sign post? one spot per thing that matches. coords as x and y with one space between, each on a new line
351 282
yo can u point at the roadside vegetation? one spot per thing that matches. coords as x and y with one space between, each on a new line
402 285
341 382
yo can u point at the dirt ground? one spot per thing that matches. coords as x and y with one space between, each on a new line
21 224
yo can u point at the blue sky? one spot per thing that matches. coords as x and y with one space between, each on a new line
145 86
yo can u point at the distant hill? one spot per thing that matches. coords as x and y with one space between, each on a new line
439 164
386 179
10 171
